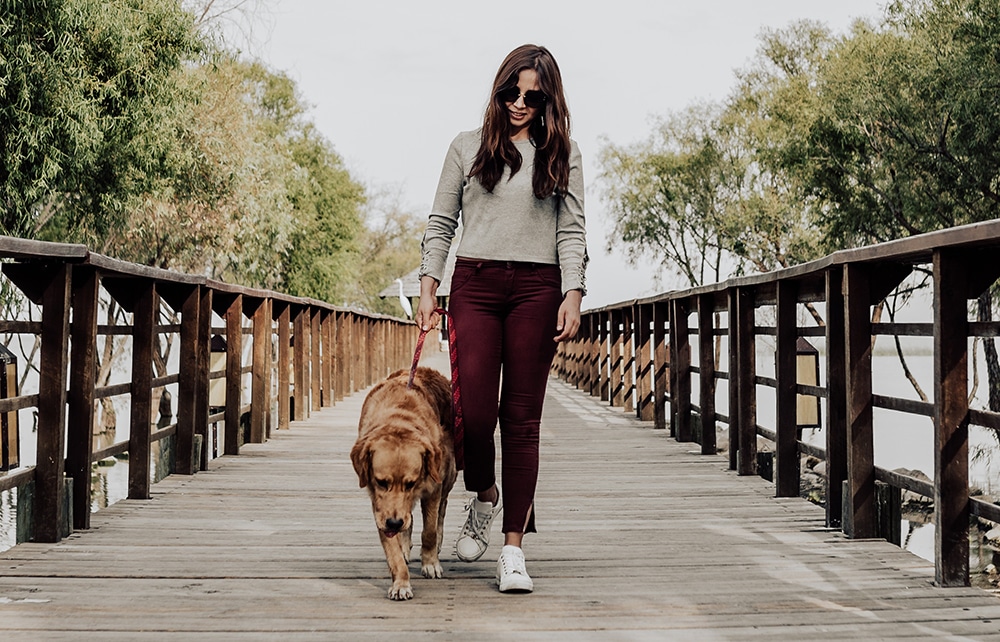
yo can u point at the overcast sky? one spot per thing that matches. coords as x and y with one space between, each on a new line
391 82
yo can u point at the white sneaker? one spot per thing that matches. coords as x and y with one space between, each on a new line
475 536
511 574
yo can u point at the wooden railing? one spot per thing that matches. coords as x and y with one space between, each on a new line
637 355
303 354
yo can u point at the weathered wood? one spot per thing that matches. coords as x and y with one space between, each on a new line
260 383
341 359
300 344
836 408
234 375
204 367
186 461
145 310
860 499
615 359
733 382
706 372
82 384
329 360
786 481
783 575
51 440
644 361
316 371
951 428
745 381
680 364
604 377
628 359
284 366
661 357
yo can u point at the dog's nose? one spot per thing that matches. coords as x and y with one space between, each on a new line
394 524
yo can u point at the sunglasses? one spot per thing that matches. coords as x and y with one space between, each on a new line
533 98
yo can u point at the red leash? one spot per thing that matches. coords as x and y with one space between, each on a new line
458 431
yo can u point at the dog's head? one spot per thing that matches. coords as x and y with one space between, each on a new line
395 463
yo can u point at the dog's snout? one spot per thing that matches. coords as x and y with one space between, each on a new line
394 524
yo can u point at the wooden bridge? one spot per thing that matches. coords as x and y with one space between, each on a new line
645 531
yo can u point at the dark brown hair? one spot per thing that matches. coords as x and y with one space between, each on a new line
549 130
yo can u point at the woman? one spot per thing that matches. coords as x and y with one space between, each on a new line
517 185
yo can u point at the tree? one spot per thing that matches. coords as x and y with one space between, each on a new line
390 249
86 97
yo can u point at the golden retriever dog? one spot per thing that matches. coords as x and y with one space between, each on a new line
404 452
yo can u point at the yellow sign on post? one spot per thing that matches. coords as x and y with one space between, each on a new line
9 436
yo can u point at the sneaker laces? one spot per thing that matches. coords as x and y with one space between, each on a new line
513 563
477 524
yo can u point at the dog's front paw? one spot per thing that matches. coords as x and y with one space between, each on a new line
432 570
401 591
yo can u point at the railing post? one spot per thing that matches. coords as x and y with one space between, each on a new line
299 387
260 382
328 357
82 381
144 314
680 362
615 376
644 361
316 371
860 498
202 401
628 359
706 371
53 360
744 377
951 427
661 363
836 402
234 373
340 351
732 296
185 462
604 358
787 468
284 365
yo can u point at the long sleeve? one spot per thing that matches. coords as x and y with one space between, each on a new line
443 219
571 228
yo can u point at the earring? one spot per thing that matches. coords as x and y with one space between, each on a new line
543 120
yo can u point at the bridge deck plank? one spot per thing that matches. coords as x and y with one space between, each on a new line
641 538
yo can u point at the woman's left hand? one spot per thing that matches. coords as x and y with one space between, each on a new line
568 321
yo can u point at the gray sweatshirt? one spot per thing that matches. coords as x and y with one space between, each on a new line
510 224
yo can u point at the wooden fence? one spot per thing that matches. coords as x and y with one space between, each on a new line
644 356
303 354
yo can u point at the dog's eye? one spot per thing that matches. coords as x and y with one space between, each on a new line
382 483
410 485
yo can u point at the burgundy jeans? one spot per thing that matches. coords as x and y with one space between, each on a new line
505 317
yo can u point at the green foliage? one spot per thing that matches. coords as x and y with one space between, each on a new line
390 249
825 142
908 143
86 97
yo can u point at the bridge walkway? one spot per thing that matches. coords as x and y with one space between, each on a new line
641 538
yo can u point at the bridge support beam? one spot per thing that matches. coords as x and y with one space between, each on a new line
787 469
951 420
859 516
706 372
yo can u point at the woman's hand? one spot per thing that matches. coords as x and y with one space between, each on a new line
568 321
426 317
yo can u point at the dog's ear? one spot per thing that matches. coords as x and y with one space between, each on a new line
433 460
361 458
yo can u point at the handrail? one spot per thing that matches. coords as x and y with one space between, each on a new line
640 355
336 352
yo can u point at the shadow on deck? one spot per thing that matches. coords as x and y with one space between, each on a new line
641 538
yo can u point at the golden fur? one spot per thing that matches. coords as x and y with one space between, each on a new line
405 452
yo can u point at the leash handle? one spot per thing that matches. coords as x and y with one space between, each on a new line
458 430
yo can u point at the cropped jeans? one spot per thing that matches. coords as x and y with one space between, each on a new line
504 315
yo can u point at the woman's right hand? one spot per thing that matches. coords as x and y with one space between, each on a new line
426 316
